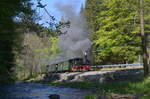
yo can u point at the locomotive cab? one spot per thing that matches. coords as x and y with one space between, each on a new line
79 64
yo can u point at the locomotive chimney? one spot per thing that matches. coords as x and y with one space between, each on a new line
85 59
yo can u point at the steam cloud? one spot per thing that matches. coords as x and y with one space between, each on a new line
76 40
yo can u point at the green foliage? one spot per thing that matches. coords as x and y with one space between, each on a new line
54 50
92 8
8 36
36 51
90 96
25 45
116 24
33 43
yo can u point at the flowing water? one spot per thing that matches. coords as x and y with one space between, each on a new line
26 90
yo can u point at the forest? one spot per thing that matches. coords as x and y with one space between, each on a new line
115 28
119 31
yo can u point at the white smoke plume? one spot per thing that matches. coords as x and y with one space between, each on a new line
76 40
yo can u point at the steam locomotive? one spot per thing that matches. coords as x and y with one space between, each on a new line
72 64
79 64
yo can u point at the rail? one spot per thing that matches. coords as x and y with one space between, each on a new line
117 65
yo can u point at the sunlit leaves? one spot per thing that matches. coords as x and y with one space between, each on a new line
116 40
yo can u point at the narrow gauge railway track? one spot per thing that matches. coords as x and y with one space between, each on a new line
118 65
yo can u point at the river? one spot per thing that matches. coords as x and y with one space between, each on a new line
27 90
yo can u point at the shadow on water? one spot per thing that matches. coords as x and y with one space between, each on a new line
26 90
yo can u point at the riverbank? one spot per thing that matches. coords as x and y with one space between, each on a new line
123 84
95 76
114 90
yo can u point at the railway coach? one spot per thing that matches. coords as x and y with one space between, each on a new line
71 65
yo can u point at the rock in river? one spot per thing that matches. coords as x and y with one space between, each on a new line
54 96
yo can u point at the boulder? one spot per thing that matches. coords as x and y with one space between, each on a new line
54 96
124 96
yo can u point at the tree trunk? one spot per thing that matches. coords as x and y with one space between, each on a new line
144 42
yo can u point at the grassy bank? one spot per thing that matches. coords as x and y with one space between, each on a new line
141 87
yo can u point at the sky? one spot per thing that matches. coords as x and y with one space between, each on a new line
52 8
